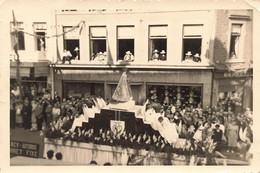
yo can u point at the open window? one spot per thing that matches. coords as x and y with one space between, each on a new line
158 43
235 39
98 43
21 43
192 40
40 32
71 42
125 41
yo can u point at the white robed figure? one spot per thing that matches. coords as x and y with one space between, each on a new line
166 129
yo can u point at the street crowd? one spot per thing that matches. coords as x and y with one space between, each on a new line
31 109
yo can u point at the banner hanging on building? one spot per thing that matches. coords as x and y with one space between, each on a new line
18 148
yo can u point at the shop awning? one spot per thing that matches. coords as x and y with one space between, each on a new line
24 72
41 71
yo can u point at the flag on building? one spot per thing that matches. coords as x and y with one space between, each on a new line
14 35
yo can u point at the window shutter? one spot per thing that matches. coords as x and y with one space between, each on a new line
192 30
236 29
98 32
71 35
126 32
158 31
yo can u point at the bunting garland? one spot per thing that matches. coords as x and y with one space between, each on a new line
80 25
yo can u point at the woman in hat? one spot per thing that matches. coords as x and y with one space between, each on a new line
188 56
232 135
128 56
156 55
163 55
196 58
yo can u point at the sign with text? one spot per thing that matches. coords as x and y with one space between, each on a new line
228 74
24 149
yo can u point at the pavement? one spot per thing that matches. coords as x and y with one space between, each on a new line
21 135
21 161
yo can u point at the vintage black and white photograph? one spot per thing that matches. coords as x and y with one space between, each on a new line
130 82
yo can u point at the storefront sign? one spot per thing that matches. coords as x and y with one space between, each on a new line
232 74
24 149
235 74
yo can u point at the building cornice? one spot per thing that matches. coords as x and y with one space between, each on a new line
166 67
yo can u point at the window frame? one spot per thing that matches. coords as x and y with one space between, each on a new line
117 40
192 37
151 38
43 30
241 42
64 39
20 31
96 38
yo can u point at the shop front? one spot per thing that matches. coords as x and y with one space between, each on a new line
233 90
182 86
33 75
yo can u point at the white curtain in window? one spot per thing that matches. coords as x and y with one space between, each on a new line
236 46
97 32
126 32
158 31
192 30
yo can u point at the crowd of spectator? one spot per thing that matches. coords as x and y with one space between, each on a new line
32 108
231 132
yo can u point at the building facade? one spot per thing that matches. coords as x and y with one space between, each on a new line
233 59
176 56
159 44
35 53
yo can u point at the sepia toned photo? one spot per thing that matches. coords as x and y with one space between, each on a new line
130 82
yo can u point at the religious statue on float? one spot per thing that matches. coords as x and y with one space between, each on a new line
122 97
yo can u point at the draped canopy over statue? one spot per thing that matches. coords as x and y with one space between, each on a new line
123 91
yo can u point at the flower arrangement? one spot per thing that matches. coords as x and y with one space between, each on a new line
59 130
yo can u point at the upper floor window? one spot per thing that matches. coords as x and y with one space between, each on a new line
125 41
20 34
157 43
98 43
71 42
192 39
40 30
235 39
